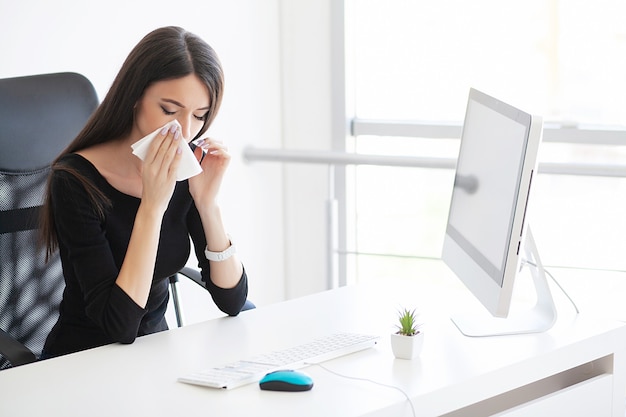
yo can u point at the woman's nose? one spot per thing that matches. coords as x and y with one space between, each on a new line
185 129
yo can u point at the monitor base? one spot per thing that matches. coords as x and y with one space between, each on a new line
538 319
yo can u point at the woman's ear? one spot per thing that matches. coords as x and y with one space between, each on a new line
135 110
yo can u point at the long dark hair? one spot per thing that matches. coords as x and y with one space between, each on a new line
163 54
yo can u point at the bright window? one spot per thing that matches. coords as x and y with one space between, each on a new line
416 60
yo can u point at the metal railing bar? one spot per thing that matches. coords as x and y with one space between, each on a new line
552 132
253 154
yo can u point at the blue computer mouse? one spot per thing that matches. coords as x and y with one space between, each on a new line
286 380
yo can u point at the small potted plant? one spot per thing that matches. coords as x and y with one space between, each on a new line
407 342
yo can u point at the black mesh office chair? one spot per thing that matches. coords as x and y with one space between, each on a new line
39 115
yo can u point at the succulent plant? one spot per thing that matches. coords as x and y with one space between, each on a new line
408 322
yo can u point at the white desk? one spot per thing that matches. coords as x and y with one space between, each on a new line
576 369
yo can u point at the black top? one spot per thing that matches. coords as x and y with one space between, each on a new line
95 311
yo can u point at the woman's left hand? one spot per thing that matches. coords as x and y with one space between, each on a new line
205 186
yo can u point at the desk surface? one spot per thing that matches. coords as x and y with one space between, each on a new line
452 372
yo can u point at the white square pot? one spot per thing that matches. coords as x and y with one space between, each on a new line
406 347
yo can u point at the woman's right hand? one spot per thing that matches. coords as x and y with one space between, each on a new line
159 168
158 176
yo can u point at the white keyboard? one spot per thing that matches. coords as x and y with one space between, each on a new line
244 372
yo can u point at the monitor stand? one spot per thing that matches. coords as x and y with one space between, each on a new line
538 319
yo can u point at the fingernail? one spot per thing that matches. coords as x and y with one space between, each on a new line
199 142
176 134
173 128
179 150
164 131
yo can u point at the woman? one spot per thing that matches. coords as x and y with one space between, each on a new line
122 225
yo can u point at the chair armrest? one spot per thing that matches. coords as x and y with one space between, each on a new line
193 274
196 277
15 352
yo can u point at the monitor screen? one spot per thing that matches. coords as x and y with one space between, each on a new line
487 184
485 235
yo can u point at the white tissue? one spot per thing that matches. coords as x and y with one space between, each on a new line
188 166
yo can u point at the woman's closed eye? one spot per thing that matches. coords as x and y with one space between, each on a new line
201 118
167 112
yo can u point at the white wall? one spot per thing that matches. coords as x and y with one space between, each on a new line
306 69
276 59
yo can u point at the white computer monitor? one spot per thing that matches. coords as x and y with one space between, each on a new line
487 236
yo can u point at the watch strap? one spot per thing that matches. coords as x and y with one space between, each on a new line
221 256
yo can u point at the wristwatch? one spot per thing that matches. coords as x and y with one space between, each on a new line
221 256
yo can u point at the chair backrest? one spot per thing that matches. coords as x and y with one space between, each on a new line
39 116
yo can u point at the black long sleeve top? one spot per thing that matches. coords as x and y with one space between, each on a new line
95 311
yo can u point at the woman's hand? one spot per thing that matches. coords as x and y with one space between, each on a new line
205 186
158 176
159 169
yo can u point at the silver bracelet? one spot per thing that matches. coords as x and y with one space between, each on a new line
221 256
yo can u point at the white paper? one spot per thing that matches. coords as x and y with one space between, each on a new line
188 166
